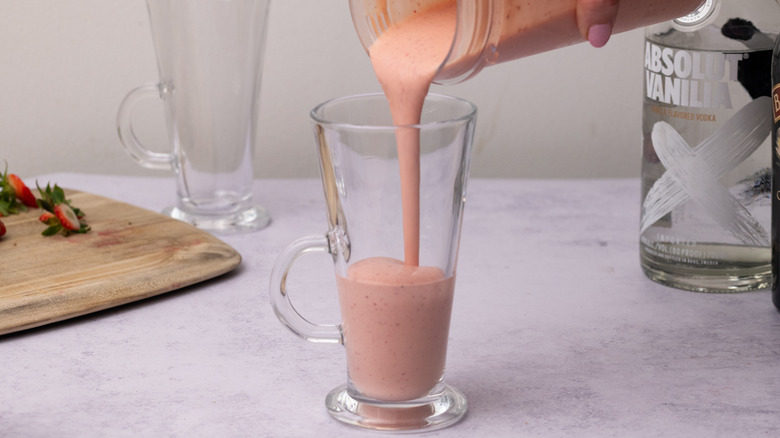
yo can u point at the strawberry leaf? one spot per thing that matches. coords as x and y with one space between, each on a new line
4 208
8 199
52 230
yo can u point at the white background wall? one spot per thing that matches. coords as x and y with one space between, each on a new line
66 65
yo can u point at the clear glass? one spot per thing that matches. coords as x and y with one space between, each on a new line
494 31
394 331
209 56
706 175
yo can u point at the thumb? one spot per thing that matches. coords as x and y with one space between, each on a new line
595 20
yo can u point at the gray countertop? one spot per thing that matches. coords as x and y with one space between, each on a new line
555 332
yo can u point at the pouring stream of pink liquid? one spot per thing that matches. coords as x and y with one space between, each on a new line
405 60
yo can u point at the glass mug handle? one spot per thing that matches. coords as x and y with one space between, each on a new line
280 298
124 121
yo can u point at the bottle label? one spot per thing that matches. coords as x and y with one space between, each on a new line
688 78
705 180
776 102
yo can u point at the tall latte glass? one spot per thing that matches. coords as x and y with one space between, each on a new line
394 197
209 56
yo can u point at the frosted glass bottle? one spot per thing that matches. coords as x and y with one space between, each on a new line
706 177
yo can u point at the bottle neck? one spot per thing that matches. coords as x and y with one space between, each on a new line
722 26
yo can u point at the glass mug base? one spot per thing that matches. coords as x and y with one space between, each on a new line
440 410
252 218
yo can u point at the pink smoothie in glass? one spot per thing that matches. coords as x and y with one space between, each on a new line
395 320
396 314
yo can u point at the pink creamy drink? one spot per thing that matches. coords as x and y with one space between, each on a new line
405 60
396 315
395 321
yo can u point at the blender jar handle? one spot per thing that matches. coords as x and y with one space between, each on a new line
127 137
280 298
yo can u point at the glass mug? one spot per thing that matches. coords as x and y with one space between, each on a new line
209 56
395 313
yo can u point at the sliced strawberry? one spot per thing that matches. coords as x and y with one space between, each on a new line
67 217
2 229
46 216
22 191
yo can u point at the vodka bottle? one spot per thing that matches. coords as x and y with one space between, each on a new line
706 177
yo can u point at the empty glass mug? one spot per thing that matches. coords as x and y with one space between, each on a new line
209 56
395 279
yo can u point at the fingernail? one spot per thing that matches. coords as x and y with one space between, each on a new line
599 34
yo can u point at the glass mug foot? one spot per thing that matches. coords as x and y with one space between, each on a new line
437 411
252 218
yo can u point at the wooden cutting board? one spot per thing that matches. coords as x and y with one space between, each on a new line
130 254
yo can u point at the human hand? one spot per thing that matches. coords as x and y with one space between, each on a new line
595 20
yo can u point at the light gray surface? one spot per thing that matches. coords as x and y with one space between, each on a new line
556 332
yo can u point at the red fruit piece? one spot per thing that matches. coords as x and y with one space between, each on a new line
45 217
67 217
22 191
2 229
